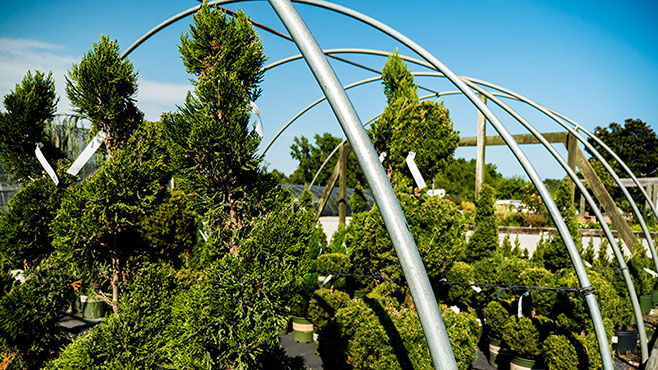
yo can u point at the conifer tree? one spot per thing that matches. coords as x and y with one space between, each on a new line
358 201
409 125
556 255
484 241
29 108
102 89
212 144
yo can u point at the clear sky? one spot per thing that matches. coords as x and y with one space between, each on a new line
593 61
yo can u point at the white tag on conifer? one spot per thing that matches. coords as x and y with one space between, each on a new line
326 280
455 309
414 170
44 163
587 264
259 125
476 288
520 311
651 272
382 156
87 152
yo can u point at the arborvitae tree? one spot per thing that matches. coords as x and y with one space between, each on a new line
556 255
29 108
358 201
409 125
25 226
212 143
99 221
102 89
484 240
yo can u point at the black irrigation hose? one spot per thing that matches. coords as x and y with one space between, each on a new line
380 277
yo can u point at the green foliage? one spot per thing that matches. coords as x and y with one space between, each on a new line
509 271
210 139
409 125
379 333
522 337
98 222
484 240
459 295
29 108
555 252
311 156
543 302
496 317
137 338
358 201
632 142
437 228
29 314
337 244
613 309
333 262
25 226
170 230
324 305
102 89
229 319
642 281
559 353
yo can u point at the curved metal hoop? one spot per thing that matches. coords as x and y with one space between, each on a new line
509 140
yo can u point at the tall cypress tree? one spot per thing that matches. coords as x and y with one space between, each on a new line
29 107
212 144
484 241
409 125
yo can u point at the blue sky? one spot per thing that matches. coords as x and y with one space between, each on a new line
595 62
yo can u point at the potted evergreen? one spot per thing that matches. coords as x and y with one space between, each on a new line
496 317
522 337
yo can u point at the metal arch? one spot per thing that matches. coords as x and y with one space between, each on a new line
589 146
308 107
579 267
606 229
426 306
516 150
403 242
616 157
604 226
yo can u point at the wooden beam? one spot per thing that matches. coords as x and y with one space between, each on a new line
552 137
480 144
327 190
605 200
645 181
572 146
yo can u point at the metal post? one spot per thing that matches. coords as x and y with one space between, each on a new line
479 156
405 246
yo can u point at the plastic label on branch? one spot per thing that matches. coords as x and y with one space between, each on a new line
86 154
258 125
651 272
382 157
44 163
520 311
414 170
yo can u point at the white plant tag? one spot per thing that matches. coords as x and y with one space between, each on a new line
87 152
259 125
520 311
476 288
455 309
615 339
651 272
587 264
44 163
326 280
414 170
382 157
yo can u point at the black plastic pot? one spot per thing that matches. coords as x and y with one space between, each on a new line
626 341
